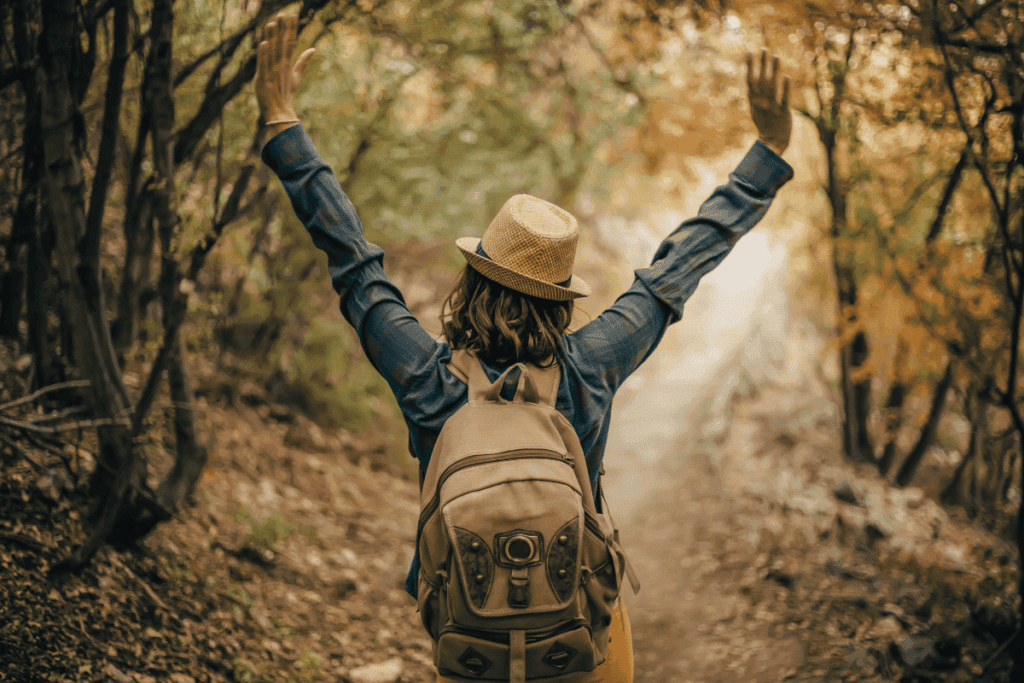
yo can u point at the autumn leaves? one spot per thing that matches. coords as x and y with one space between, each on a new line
277 79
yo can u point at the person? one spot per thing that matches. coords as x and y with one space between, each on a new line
513 300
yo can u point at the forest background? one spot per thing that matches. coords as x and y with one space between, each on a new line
142 239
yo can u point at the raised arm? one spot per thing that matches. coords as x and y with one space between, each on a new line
624 335
393 340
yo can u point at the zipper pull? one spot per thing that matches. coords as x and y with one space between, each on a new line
567 458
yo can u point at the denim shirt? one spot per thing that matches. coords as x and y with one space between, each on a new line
595 360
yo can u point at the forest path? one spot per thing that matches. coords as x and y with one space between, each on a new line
691 534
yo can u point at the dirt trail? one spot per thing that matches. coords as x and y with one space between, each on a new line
690 534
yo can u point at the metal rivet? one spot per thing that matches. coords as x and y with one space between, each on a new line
563 539
475 546
562 573
479 578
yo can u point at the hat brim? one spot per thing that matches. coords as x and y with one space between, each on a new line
525 284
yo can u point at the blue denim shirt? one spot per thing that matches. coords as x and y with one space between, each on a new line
595 360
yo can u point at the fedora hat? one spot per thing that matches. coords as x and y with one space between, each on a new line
530 247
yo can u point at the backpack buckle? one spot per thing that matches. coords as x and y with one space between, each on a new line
519 588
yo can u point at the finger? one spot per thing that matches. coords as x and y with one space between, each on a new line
764 65
289 37
270 39
261 59
278 43
775 78
785 92
303 61
750 70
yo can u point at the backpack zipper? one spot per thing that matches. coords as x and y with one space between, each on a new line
483 459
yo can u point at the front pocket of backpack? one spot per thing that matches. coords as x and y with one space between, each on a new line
485 656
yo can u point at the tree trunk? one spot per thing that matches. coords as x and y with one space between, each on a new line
957 491
25 222
192 454
927 437
853 353
179 484
893 412
119 464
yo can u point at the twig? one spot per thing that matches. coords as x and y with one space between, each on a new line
145 586
67 427
999 650
53 387
25 541
56 415
18 451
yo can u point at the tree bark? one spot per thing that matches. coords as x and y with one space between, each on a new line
108 139
853 353
179 484
893 412
192 454
24 226
120 465
927 436
957 491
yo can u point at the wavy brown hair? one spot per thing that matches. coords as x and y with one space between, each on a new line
500 325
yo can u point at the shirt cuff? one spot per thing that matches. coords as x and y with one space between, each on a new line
288 148
764 169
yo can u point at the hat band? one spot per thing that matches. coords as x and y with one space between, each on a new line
480 250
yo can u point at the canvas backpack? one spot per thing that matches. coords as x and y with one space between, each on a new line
519 571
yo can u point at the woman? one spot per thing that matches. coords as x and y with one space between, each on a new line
513 301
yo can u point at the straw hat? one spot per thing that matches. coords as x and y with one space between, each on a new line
530 247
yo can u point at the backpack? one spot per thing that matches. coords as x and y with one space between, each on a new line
519 572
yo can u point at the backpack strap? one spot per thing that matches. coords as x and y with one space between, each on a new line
467 368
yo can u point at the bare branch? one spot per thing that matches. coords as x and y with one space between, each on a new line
66 427
73 384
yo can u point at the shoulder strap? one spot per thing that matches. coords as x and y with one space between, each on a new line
467 368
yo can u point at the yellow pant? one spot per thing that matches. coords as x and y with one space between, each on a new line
617 666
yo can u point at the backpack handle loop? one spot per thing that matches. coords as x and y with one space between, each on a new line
526 390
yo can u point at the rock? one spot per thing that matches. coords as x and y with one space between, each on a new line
116 674
913 650
52 484
304 433
281 412
385 672
252 394
889 629
879 526
845 493
914 497
343 587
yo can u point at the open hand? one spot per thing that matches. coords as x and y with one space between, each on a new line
276 78
769 110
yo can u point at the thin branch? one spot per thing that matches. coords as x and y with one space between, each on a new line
624 83
67 427
13 445
73 384
57 415
947 194
111 119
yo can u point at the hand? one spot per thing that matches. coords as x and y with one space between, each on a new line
771 115
276 78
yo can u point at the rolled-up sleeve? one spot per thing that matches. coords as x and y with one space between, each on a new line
622 337
394 341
